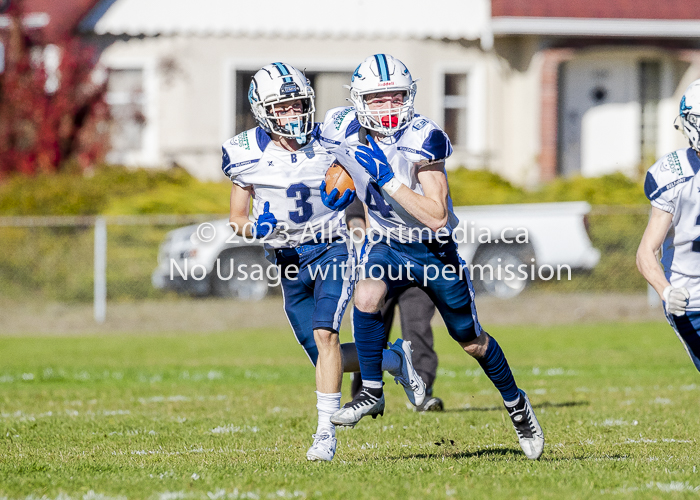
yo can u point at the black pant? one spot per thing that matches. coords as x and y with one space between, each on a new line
416 310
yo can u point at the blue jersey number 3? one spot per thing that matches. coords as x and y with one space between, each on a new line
304 210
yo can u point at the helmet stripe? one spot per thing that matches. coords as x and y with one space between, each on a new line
382 66
283 71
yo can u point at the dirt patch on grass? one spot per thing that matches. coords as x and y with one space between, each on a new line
209 315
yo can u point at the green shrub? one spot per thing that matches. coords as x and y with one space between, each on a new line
194 198
118 190
613 189
112 190
51 195
479 187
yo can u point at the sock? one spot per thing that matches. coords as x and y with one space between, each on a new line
496 367
511 404
370 342
375 388
327 405
391 362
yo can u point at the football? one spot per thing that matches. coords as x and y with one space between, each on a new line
338 177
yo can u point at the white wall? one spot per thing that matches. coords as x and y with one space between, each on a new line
192 103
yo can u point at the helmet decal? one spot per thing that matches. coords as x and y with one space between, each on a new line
357 74
289 88
252 92
684 107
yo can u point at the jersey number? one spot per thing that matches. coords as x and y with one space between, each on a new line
376 202
304 210
696 241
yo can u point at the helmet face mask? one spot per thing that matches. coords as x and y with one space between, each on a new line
689 117
380 74
275 86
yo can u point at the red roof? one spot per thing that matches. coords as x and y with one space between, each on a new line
64 15
598 9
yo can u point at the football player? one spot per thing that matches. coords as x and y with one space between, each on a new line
397 161
281 165
673 188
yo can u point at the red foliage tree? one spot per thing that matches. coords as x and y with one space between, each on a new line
45 127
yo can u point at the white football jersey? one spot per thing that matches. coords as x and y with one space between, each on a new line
672 185
289 181
421 140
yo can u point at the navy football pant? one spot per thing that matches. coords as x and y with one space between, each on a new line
317 294
440 272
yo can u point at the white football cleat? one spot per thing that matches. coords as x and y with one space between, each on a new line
527 427
323 448
363 404
408 376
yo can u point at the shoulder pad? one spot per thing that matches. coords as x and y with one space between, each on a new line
243 149
335 125
337 116
673 169
422 136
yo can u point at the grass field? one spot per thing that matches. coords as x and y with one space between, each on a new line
231 416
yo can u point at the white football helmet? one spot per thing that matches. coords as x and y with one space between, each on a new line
382 73
689 116
277 83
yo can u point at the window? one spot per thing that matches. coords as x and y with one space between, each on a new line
125 96
244 117
455 106
650 94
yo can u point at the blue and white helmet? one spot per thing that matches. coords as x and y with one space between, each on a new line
689 116
382 73
278 83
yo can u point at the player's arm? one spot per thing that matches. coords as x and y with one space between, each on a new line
653 238
430 208
238 217
240 206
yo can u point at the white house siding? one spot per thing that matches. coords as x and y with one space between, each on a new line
607 134
514 110
190 87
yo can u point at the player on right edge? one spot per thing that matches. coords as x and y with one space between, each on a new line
673 188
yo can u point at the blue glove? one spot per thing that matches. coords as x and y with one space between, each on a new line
375 162
330 199
265 224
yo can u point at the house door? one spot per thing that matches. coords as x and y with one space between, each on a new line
599 116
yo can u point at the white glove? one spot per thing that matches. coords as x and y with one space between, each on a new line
676 300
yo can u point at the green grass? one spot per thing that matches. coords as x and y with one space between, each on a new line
231 416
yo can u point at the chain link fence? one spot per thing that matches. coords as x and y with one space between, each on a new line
53 259
58 260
